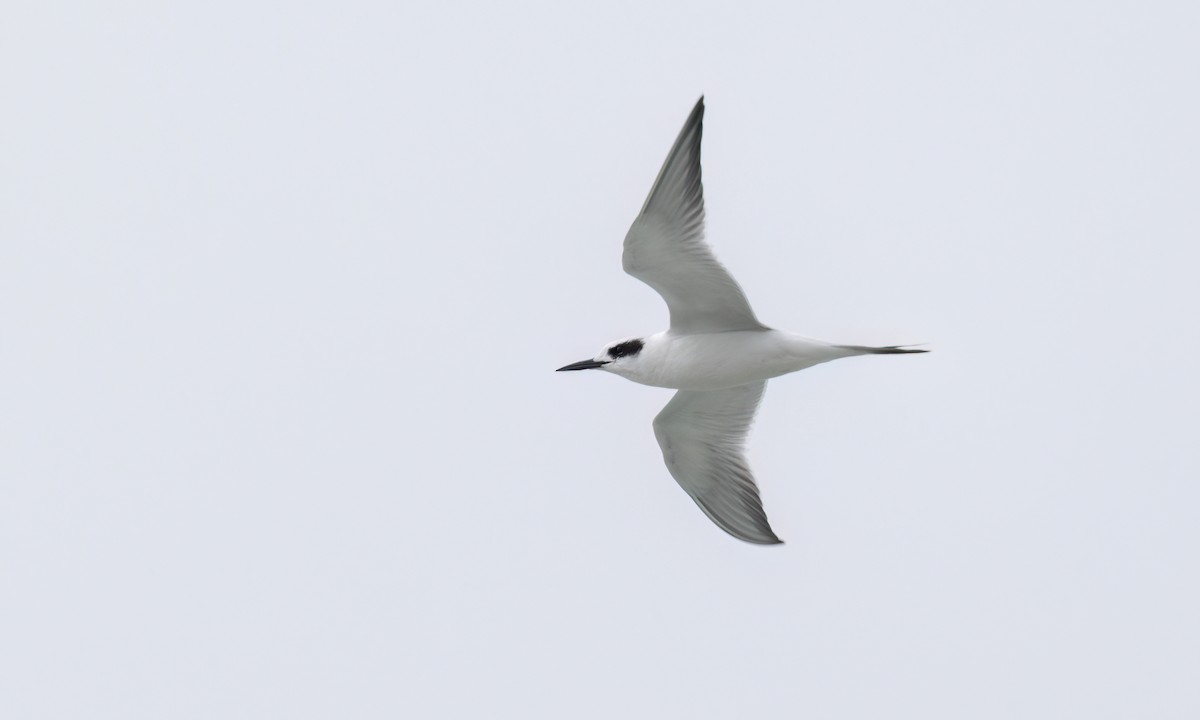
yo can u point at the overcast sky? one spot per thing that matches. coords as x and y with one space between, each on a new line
283 287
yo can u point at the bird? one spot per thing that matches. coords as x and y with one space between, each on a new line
716 354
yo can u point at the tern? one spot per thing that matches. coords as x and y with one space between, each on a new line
716 353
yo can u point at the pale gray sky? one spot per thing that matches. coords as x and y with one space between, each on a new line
283 286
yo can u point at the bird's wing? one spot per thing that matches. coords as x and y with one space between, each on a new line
665 247
701 434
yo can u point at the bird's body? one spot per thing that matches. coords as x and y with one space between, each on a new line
715 361
716 353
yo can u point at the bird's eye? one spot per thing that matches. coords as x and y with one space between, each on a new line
629 347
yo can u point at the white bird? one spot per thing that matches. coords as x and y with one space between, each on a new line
716 352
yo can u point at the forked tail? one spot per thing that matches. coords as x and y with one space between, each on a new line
887 350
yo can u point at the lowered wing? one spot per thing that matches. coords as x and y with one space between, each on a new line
702 434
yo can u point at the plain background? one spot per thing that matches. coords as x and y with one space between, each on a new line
283 286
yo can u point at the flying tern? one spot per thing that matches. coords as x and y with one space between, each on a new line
716 353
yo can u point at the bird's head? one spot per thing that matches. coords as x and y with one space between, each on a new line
620 357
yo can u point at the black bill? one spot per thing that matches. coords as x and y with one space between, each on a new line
583 365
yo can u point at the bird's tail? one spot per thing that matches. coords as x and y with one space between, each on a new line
886 350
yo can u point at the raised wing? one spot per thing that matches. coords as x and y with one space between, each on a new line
665 247
702 434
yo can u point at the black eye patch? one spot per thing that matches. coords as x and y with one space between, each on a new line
629 347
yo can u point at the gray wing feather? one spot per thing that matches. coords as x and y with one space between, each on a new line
702 435
665 246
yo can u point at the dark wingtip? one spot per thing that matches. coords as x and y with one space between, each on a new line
774 541
771 539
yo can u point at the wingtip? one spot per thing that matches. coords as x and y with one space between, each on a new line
771 539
